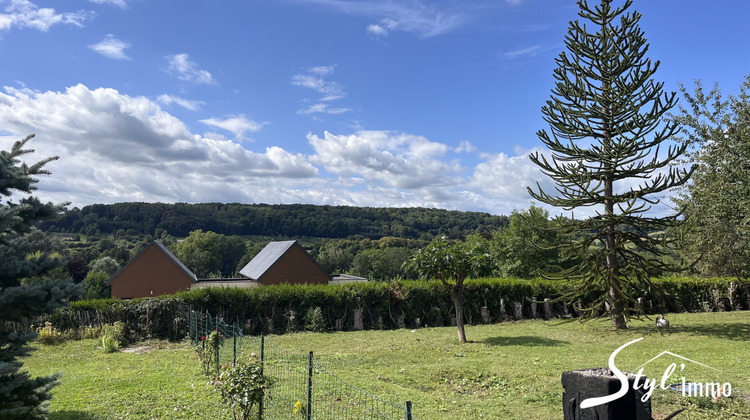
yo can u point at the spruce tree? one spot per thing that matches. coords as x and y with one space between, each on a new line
607 123
24 292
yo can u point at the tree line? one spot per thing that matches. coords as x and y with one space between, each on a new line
280 220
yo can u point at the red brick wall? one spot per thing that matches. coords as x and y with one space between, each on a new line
152 274
295 267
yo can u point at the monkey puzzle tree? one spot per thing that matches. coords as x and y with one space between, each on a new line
606 118
24 292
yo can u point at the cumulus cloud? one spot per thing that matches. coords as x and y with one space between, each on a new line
25 14
115 147
465 147
237 124
112 47
187 70
397 160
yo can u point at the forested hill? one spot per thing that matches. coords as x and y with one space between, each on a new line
292 220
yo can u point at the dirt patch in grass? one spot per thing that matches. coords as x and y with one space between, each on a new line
141 349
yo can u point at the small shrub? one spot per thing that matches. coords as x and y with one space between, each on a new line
49 335
208 351
112 337
243 385
314 320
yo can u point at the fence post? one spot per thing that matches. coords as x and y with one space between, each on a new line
234 344
309 386
407 411
262 365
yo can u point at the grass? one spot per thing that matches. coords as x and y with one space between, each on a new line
163 381
508 370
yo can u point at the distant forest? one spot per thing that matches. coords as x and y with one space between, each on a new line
283 220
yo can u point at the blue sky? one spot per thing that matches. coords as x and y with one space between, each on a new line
367 103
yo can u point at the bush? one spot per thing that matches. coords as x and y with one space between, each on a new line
314 320
243 385
112 337
208 350
383 305
49 335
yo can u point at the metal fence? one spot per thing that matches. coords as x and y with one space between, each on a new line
302 386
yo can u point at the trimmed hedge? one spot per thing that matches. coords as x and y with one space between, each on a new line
411 304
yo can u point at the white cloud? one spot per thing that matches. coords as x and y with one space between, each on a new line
398 160
119 3
322 108
187 70
529 52
185 103
314 79
25 14
112 47
377 30
331 91
237 124
425 21
115 147
465 147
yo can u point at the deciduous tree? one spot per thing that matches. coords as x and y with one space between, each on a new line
716 204
451 262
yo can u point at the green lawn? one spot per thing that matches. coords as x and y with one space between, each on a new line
509 370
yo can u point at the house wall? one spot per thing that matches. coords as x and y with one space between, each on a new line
295 267
151 274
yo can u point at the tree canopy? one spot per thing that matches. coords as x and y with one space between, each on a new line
716 204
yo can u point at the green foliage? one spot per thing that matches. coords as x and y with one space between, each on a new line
207 253
528 246
716 204
382 304
451 263
106 265
243 385
282 220
208 350
49 335
95 285
112 337
606 120
314 320
21 301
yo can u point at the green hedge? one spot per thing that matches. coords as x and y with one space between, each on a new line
280 309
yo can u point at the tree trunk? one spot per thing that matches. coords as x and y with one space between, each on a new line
616 309
458 303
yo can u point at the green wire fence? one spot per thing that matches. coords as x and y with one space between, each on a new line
302 385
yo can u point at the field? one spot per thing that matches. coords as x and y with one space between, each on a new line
508 370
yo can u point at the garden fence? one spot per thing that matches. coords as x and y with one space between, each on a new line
302 385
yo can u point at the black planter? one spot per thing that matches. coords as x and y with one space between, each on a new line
579 385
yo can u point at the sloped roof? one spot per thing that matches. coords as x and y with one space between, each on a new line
160 246
265 259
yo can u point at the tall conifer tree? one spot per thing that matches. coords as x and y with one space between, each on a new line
607 123
24 293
